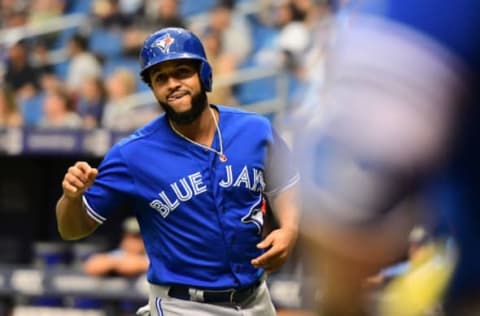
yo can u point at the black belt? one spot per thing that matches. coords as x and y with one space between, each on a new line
213 296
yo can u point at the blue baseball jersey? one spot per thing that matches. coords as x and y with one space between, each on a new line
200 218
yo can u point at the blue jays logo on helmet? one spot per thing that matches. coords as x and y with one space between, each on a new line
164 43
172 44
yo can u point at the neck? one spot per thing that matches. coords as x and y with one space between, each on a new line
202 130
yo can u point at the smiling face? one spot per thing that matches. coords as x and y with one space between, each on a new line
177 87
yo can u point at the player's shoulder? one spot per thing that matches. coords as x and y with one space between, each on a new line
145 132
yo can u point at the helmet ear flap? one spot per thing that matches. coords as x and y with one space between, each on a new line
205 72
145 77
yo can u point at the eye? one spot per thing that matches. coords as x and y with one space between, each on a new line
160 78
184 72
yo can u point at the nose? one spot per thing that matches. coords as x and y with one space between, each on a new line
172 82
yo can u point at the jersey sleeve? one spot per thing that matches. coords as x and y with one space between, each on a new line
112 188
280 170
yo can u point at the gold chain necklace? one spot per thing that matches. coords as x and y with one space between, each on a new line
220 153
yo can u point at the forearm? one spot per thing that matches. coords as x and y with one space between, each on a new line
286 209
99 265
72 221
280 242
131 265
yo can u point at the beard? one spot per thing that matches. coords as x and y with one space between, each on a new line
199 103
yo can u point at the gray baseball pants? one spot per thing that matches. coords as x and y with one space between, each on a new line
259 304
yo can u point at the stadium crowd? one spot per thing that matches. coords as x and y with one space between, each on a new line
81 76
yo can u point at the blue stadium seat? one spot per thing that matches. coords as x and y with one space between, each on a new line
193 7
32 109
50 254
264 36
106 43
61 69
64 37
255 90
112 64
87 303
50 301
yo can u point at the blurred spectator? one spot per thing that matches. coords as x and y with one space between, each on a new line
40 58
321 29
283 39
41 11
222 65
13 13
10 115
418 289
294 37
312 10
108 15
163 13
82 65
49 82
420 249
128 260
233 27
132 8
119 85
288 31
15 19
91 102
120 113
9 6
41 62
319 21
58 110
159 14
20 74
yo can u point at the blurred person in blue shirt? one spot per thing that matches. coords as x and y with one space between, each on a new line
20 73
92 101
129 259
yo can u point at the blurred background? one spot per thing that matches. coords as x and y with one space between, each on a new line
375 101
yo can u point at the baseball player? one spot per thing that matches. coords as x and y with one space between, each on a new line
197 179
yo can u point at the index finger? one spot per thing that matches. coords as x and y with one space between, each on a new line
83 166
265 257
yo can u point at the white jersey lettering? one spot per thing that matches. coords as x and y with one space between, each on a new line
171 205
194 186
244 178
227 183
258 181
160 207
186 188
197 183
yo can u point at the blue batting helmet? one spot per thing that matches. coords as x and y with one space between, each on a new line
174 43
